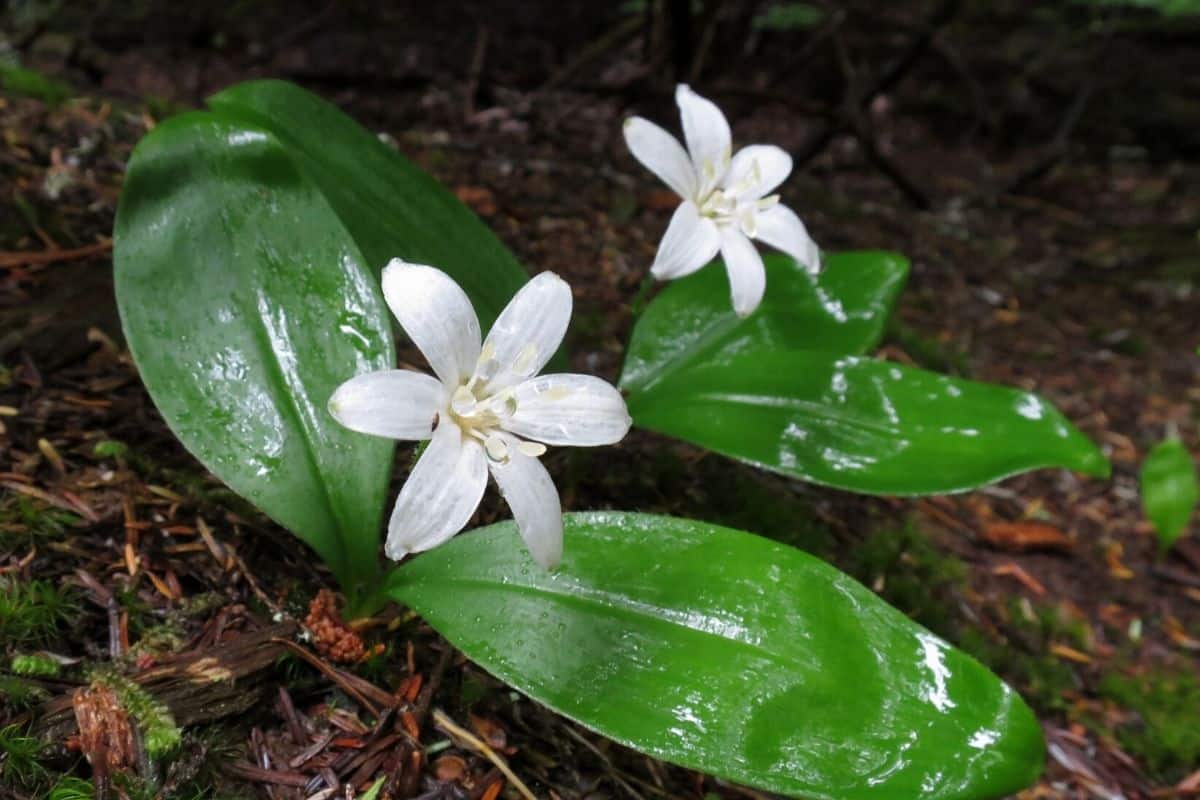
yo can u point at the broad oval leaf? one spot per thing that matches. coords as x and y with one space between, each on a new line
843 310
391 207
861 424
1169 489
246 303
729 653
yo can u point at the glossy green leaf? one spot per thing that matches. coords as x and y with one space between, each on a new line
1169 490
246 302
391 208
844 310
729 653
860 424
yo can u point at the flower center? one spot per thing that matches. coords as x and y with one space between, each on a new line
482 415
728 206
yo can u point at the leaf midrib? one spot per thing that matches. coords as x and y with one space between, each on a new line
289 406
596 599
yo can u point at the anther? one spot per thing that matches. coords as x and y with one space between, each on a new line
497 448
532 449
463 402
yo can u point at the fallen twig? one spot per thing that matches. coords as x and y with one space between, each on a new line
40 257
445 723
334 674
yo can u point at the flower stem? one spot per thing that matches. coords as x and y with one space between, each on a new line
640 300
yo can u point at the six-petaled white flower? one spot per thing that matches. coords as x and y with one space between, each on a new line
485 411
726 201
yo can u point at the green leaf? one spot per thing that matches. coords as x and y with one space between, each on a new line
1169 490
391 208
729 653
844 311
246 302
860 424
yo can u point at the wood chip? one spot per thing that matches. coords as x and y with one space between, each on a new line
1025 537
1012 570
1116 567
1070 654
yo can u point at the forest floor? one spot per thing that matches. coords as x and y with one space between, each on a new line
1041 171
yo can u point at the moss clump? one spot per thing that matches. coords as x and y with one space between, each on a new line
912 574
35 665
1041 678
110 448
158 640
72 789
24 521
1165 735
160 734
20 755
18 695
31 612
748 500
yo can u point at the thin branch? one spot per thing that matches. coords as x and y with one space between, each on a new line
445 723
40 257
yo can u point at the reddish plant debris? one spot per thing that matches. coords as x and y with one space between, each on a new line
1025 537
332 637
106 735
479 198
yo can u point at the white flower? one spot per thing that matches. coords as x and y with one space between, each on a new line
484 411
725 200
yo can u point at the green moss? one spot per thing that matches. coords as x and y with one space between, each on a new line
69 788
18 695
198 605
24 82
20 759
1053 624
31 612
912 574
109 448
24 521
160 734
35 665
765 505
158 640
1041 678
1164 735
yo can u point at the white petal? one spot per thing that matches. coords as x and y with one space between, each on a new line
528 331
436 314
440 495
783 230
662 154
757 169
396 403
691 241
747 276
708 137
573 410
533 498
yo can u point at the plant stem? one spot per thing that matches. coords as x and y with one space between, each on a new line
640 299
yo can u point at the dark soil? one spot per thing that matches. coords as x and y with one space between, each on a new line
1041 168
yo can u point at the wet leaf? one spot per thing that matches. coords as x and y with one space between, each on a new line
1169 490
729 653
391 208
844 310
859 424
246 302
